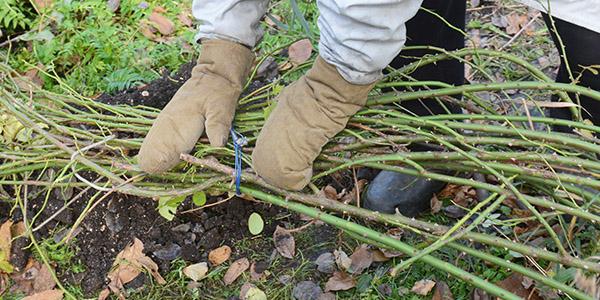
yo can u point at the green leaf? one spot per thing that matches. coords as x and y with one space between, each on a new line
6 267
167 206
199 199
255 224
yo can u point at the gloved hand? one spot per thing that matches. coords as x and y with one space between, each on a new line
206 101
309 112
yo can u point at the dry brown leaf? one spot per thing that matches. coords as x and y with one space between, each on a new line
147 30
423 287
327 296
514 284
46 295
196 272
129 264
300 51
43 281
219 255
35 279
436 204
284 242
340 281
330 193
515 22
159 9
379 256
235 270
589 285
162 23
361 259
442 292
185 19
5 240
342 260
41 4
256 275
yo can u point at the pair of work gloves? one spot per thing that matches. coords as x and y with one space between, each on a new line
309 112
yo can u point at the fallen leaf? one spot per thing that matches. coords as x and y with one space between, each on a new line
423 287
306 290
46 295
436 204
162 23
255 224
340 281
256 273
330 193
442 292
300 51
379 256
235 270
113 5
395 233
514 284
196 272
219 255
250 292
284 242
148 31
342 260
44 280
184 18
327 296
361 259
479 294
41 4
159 9
589 285
34 279
5 245
515 22
325 263
129 264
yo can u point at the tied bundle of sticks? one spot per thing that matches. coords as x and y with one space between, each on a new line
554 176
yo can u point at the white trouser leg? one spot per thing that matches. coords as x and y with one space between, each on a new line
234 20
361 37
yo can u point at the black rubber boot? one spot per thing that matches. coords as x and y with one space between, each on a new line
409 194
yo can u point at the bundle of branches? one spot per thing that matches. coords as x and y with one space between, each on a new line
554 176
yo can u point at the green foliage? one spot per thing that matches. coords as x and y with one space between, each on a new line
255 224
15 14
167 206
93 49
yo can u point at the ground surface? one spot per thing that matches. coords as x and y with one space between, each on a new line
110 226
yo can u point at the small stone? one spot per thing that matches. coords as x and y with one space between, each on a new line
182 228
306 290
114 222
168 252
198 228
145 94
326 263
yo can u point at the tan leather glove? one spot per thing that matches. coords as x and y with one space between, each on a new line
206 101
309 112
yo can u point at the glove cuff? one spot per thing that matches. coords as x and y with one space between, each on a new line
229 60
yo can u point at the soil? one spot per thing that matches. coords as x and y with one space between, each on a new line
155 94
118 219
